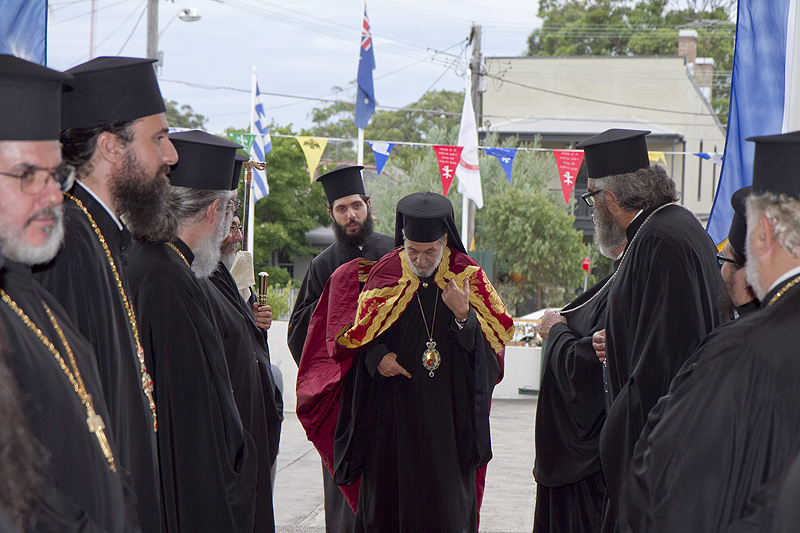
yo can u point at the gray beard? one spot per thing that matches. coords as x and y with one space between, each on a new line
426 273
228 259
608 236
17 250
207 253
752 271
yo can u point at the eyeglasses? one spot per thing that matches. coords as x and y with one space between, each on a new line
34 179
721 259
235 228
588 197
234 204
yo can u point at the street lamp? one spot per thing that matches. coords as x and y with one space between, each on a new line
187 14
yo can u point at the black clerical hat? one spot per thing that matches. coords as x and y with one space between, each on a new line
615 152
30 100
737 235
237 169
205 161
776 166
425 217
342 182
112 89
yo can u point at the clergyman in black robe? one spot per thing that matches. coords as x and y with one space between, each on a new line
208 461
351 215
114 101
81 488
414 423
570 412
730 422
662 301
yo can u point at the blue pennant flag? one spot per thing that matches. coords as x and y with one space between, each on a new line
23 29
262 144
505 156
365 96
381 150
757 103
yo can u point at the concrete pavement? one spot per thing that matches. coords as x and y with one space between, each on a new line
510 490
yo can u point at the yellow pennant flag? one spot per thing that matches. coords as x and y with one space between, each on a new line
657 157
313 148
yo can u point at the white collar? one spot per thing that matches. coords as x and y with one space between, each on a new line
783 277
99 201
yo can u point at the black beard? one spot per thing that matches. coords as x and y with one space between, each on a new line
142 201
357 239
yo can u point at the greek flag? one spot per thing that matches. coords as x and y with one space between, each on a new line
262 144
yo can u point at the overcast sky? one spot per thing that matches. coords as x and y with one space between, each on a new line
301 48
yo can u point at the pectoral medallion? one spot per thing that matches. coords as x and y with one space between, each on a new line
431 358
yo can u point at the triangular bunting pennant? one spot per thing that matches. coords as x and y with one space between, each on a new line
568 163
245 139
381 150
448 158
657 157
505 156
714 157
312 148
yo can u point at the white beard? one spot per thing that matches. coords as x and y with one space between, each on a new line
17 250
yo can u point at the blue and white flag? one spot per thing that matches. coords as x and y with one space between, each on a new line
262 144
505 156
365 96
23 29
760 96
381 150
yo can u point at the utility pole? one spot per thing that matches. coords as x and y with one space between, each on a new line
475 70
152 31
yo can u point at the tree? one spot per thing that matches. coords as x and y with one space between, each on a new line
649 27
184 117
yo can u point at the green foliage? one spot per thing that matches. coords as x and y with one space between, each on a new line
649 27
184 117
278 298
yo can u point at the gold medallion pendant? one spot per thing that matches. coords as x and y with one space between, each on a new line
431 358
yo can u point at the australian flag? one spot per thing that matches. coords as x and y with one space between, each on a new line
365 97
262 144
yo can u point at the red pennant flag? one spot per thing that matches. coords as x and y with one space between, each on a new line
569 163
586 264
448 157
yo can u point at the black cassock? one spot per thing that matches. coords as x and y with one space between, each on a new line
254 390
569 416
80 277
78 491
661 305
208 462
416 443
320 269
729 424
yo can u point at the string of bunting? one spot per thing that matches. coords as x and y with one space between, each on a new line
448 156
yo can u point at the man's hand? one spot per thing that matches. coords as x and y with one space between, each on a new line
389 367
457 299
549 320
262 315
599 344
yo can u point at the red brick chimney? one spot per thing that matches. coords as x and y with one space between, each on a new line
687 45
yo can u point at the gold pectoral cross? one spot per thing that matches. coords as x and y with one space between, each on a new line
96 426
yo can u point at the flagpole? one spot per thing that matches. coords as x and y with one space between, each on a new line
251 205
360 152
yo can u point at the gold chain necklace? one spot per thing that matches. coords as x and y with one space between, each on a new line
430 357
93 420
783 290
146 380
175 248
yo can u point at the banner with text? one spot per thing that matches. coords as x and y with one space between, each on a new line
505 156
448 158
381 151
568 163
